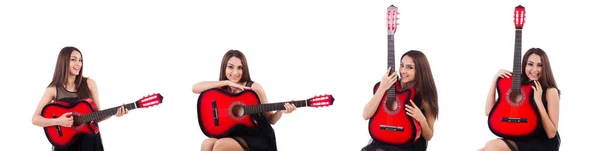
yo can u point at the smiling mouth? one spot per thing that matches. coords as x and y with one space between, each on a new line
534 75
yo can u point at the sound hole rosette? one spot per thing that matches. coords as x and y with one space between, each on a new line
513 103
384 104
233 106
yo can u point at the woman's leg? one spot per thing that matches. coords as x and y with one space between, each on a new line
500 145
227 144
207 144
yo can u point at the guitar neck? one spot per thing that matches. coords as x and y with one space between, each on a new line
391 62
261 108
104 113
516 79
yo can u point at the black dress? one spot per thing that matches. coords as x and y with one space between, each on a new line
420 145
539 142
261 138
85 142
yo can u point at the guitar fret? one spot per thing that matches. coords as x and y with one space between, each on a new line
247 109
104 113
261 108
516 81
392 64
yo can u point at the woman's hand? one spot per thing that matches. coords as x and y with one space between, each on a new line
121 111
537 92
289 108
388 80
414 111
237 87
66 120
502 73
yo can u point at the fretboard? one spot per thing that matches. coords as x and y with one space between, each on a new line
516 79
391 62
261 108
103 113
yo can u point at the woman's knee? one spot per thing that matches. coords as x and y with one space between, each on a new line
496 145
227 144
207 144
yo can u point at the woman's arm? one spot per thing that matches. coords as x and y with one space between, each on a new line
491 100
272 117
371 106
203 86
37 118
94 92
95 97
387 81
550 118
427 126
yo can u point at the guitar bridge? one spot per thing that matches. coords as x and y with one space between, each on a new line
514 120
391 128
215 113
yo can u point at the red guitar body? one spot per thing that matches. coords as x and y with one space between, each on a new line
220 113
220 104
61 136
395 126
510 119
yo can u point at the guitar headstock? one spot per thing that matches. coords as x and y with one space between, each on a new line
149 100
392 19
321 100
519 17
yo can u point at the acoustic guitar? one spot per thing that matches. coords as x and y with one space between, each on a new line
84 114
515 114
390 124
221 112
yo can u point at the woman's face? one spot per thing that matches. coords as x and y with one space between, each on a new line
407 69
533 68
75 63
234 69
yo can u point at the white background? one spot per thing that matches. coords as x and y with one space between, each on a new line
295 50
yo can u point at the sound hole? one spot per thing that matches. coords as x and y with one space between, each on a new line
76 119
391 104
238 111
516 98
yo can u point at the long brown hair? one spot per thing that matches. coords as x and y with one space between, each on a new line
546 77
242 57
61 72
424 83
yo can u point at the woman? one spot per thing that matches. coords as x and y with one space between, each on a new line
415 72
536 66
234 78
69 86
